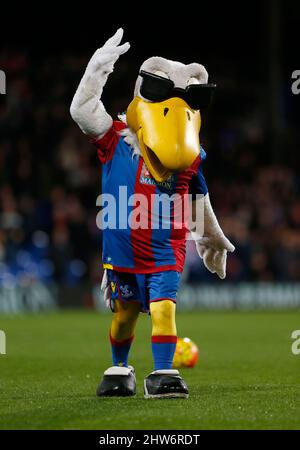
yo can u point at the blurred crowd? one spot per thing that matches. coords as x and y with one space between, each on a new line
50 178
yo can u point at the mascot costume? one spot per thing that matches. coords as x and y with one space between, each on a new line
154 149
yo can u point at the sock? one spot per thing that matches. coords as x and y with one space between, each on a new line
163 349
120 351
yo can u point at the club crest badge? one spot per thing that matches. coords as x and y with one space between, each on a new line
146 178
126 292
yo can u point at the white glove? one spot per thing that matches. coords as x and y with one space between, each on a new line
213 245
86 108
105 289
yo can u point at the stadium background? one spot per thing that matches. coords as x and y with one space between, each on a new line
50 176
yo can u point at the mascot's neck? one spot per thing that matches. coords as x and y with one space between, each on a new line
130 137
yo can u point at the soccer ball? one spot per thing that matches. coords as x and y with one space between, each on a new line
186 353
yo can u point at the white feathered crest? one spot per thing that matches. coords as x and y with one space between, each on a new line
130 137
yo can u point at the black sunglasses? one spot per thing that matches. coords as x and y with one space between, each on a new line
158 89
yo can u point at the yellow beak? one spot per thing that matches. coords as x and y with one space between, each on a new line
168 134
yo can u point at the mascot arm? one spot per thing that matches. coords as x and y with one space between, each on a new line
211 243
87 110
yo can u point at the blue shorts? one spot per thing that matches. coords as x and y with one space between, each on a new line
143 288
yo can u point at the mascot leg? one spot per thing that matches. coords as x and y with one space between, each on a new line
164 382
122 331
164 334
119 380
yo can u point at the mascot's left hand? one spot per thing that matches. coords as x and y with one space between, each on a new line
213 245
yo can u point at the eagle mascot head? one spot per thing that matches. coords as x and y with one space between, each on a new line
165 113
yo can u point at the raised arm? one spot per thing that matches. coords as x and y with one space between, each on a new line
87 109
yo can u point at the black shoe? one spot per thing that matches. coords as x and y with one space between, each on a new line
117 382
165 384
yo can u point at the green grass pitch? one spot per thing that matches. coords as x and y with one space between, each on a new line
246 378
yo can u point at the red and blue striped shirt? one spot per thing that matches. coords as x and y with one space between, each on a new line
153 249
